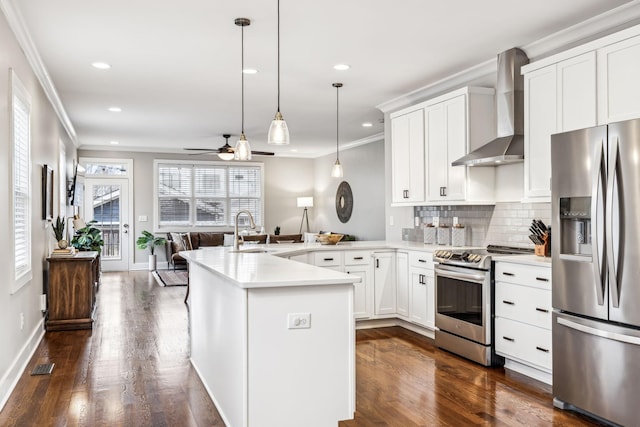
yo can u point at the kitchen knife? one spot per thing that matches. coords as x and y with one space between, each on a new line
542 226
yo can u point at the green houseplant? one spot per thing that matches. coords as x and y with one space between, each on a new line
88 238
58 232
149 241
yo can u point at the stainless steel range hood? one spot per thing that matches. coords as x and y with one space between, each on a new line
508 147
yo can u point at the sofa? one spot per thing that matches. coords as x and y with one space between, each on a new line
177 242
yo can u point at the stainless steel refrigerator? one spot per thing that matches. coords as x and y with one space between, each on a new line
596 271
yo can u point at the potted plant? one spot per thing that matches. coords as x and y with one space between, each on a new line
149 241
58 232
88 238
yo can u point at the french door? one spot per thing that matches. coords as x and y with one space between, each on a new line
107 202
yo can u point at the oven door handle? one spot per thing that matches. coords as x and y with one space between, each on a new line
469 277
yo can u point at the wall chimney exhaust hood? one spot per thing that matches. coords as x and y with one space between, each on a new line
508 147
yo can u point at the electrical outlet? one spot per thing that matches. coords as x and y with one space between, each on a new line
43 302
21 321
299 320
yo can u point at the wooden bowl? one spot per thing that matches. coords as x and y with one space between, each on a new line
329 239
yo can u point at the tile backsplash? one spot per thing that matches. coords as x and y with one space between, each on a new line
504 224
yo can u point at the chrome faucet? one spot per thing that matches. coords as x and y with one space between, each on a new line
236 236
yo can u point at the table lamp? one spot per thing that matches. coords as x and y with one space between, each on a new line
305 202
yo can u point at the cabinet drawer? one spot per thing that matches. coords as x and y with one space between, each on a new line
524 343
327 258
521 274
524 304
357 257
421 259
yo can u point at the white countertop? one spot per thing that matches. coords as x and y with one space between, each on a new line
256 267
525 259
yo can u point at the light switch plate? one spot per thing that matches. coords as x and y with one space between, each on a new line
143 218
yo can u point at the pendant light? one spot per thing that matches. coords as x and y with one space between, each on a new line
278 131
243 149
336 171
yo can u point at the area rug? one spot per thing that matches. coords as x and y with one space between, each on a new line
171 278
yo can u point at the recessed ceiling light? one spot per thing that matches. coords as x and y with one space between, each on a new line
100 65
114 142
367 125
341 67
115 109
250 71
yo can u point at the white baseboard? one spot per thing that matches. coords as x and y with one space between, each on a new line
10 379
529 371
394 321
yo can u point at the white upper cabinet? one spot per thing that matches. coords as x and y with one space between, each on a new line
452 125
558 98
618 81
407 153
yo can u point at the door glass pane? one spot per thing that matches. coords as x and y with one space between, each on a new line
459 299
106 211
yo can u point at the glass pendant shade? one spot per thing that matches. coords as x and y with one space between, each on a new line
278 131
226 156
336 170
243 149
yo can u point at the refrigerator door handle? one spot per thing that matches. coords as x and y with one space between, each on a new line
596 186
599 332
613 274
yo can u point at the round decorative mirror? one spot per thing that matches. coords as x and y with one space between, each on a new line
344 201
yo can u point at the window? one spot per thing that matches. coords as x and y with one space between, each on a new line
207 194
20 181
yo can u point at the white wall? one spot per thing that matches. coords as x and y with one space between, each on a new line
46 132
364 171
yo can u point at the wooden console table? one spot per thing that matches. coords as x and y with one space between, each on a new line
71 297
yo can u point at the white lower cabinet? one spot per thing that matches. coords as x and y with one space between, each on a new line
421 289
359 264
402 284
384 283
523 318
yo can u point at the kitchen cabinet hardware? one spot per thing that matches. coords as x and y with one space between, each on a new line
405 194
507 273
545 350
508 339
359 258
328 259
443 191
508 302
377 263
542 310
422 260
542 279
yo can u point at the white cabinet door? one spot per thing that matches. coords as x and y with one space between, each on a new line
618 82
446 141
576 97
402 284
362 290
540 122
407 157
384 282
418 299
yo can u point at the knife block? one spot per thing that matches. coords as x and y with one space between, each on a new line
544 249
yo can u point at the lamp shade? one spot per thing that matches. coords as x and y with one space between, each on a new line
305 202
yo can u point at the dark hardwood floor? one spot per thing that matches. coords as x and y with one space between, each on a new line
133 369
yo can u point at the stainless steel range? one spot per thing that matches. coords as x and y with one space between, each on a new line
464 301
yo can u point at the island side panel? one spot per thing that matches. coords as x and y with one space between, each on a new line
218 341
301 377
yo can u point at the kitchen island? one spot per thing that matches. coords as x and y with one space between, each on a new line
273 340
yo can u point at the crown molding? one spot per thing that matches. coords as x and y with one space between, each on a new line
604 24
19 28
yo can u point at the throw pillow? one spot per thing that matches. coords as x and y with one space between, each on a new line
177 239
186 241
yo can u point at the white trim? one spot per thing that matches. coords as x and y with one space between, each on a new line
19 28
10 379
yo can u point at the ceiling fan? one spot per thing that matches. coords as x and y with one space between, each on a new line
226 151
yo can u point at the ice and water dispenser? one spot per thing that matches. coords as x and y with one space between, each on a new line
575 226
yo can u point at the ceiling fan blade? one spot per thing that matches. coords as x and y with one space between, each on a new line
262 153
202 149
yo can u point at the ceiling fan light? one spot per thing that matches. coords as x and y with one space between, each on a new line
336 170
278 131
243 149
226 156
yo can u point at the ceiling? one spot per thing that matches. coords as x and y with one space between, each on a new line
175 66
